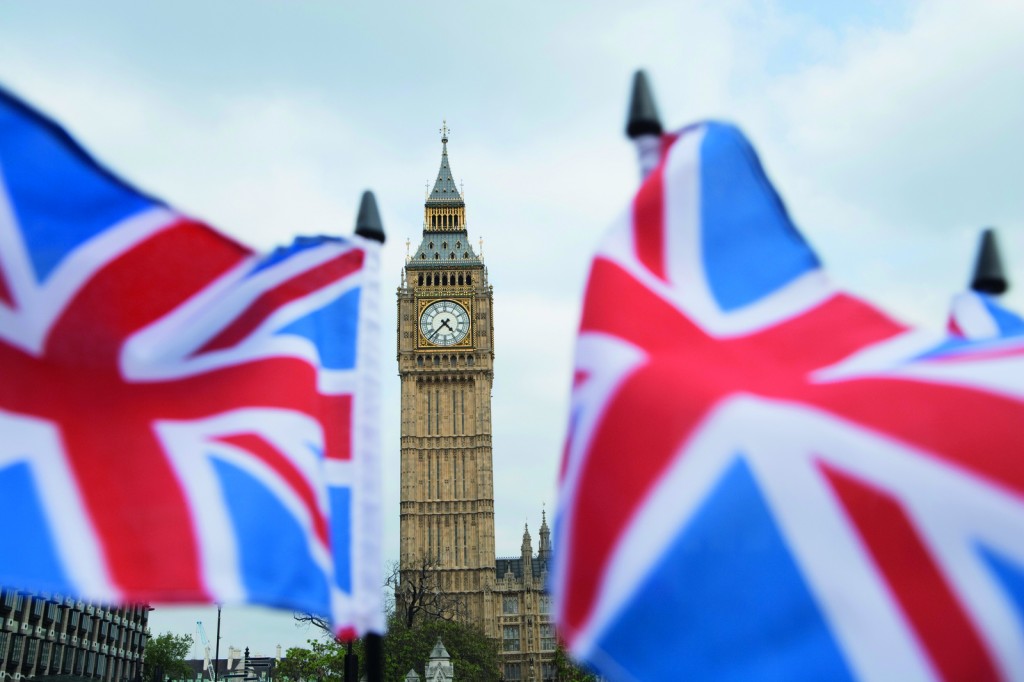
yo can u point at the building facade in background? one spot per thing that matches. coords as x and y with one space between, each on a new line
51 635
446 367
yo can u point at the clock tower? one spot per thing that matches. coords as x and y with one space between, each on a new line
445 362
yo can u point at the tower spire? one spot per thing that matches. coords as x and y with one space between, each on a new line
445 193
545 536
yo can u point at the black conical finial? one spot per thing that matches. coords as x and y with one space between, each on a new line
643 115
988 270
368 223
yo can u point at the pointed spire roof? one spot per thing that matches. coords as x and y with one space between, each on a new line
439 651
445 191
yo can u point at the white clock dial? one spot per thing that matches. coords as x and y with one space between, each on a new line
444 323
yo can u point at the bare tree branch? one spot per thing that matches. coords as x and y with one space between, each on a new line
415 593
419 593
308 620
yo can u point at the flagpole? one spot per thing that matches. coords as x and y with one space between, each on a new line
643 125
368 222
216 645
989 276
369 225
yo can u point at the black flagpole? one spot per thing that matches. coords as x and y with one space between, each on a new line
216 655
368 225
643 125
989 276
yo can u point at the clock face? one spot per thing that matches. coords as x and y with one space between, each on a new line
444 323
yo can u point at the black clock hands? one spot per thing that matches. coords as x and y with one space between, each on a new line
444 323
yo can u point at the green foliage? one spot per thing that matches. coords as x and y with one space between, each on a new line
167 654
474 655
566 670
323 661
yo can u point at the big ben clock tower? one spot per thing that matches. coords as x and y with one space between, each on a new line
445 362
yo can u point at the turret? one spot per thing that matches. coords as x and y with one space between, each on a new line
527 556
545 538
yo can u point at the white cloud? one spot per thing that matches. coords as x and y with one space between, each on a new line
902 148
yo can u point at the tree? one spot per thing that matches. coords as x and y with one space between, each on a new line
165 657
319 623
474 655
323 661
419 594
420 614
566 670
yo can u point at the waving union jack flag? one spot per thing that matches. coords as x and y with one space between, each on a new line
180 419
766 478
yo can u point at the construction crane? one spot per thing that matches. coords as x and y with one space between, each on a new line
206 649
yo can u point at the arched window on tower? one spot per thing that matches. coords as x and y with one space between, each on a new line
433 221
444 279
460 279
420 280
469 278
451 255
456 221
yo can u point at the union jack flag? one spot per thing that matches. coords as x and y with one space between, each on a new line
767 478
181 419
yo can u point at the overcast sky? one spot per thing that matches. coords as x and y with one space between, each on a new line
892 130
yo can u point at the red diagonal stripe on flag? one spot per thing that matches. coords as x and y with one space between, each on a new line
271 301
942 626
5 292
283 467
147 282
